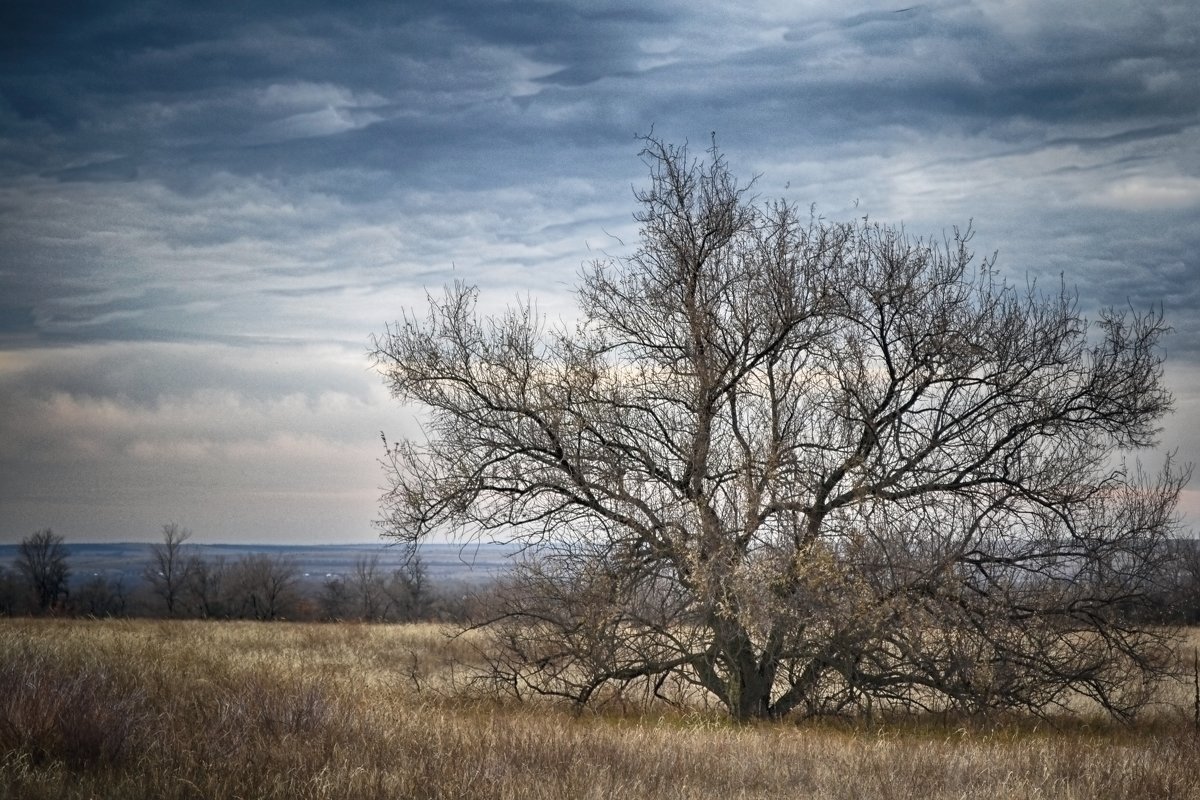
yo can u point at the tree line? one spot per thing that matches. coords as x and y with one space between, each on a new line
179 582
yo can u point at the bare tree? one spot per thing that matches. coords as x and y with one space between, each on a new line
42 561
367 586
100 597
1181 601
371 594
335 599
12 592
205 586
262 587
168 572
797 466
407 589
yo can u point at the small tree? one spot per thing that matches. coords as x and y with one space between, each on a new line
335 599
100 597
42 561
12 592
408 588
168 572
367 585
1182 599
205 586
798 466
262 587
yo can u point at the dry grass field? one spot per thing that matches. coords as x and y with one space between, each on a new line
145 709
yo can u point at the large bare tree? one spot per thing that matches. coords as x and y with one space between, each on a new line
797 466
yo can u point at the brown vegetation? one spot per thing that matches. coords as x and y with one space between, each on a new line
187 709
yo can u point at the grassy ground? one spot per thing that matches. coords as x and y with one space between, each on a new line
195 710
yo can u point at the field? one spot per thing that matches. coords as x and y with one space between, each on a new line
146 709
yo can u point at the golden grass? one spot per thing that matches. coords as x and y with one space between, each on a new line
143 709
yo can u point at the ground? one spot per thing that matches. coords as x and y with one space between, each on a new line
141 709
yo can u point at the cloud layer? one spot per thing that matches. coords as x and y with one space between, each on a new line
205 214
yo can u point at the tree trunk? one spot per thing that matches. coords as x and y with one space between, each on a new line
748 682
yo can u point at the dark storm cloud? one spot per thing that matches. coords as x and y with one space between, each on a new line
389 98
953 64
163 80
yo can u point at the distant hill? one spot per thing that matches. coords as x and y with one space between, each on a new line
444 562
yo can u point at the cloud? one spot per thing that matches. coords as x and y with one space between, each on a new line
241 257
157 426
206 212
1146 193
305 110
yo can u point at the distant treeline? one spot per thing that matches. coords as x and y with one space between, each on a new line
178 580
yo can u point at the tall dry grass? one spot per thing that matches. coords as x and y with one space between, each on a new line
204 709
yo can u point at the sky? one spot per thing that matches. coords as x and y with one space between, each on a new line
207 210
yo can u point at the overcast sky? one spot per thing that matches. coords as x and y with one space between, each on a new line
205 215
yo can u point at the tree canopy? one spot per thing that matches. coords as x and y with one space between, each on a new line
796 465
